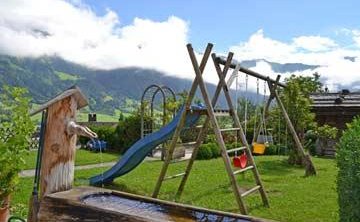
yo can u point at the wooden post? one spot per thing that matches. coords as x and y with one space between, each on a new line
57 163
306 159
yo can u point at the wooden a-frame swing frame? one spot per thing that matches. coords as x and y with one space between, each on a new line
211 119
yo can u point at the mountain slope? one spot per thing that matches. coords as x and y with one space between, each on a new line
107 90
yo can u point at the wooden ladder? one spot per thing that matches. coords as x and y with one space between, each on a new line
211 115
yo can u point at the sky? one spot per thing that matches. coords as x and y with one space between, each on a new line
108 34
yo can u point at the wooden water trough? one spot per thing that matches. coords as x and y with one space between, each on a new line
96 204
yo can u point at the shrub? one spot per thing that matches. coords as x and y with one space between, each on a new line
215 150
272 149
15 131
204 153
106 133
348 180
128 131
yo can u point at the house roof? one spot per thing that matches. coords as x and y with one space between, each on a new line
331 100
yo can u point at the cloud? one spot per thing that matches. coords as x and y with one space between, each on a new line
71 30
314 43
336 70
356 36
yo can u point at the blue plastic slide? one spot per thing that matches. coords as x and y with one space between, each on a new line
137 152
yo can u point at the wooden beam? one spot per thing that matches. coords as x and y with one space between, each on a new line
307 163
222 61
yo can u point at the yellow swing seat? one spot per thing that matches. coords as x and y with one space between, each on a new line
258 148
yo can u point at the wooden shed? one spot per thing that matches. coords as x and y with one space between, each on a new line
335 109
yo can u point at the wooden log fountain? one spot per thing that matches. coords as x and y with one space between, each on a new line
57 163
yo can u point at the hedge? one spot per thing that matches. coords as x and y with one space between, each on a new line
348 179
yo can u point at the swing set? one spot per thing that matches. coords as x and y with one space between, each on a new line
262 138
245 161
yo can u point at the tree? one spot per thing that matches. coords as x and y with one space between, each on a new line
296 98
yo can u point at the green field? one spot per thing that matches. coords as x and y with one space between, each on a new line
292 196
83 117
66 76
83 157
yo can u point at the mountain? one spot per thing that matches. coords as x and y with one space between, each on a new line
279 67
107 90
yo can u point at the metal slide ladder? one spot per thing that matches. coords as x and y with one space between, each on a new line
211 117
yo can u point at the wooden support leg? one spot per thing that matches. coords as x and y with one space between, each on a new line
306 159
222 75
181 122
199 139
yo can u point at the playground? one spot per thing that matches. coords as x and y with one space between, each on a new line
312 198
239 183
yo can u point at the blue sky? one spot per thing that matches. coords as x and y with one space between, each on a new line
233 21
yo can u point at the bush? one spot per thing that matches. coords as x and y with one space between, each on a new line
106 133
215 150
205 152
272 149
348 180
15 131
128 131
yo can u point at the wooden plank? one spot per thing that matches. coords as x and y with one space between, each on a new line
236 149
67 206
174 176
222 61
79 96
243 170
230 129
252 190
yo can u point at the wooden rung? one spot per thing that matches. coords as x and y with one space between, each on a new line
252 190
222 112
189 143
229 129
243 170
174 176
193 127
236 149
179 160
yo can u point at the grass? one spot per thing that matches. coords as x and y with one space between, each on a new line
83 157
83 117
292 197
66 76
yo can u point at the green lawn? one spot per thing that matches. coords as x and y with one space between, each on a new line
83 157
292 197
